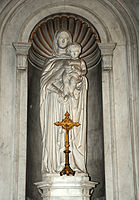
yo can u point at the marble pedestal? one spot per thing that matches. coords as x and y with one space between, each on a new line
66 187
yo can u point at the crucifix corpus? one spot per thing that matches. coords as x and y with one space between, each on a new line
67 124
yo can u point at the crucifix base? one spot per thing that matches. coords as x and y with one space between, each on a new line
55 187
67 170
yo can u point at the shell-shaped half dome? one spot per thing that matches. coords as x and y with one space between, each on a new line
82 31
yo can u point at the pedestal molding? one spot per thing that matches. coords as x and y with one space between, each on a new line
66 186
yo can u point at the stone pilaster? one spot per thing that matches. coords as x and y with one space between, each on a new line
108 115
21 114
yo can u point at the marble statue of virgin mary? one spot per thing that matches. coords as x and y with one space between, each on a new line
53 107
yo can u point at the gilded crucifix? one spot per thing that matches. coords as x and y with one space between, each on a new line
67 124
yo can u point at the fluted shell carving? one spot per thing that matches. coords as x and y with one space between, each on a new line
81 30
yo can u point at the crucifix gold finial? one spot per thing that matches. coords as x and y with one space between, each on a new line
67 124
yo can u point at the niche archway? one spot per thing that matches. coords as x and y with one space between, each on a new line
41 38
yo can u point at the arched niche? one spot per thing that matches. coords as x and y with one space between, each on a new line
41 38
115 24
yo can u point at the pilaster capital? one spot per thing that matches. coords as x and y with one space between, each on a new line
21 54
22 48
107 55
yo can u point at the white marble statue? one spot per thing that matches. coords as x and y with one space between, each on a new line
63 88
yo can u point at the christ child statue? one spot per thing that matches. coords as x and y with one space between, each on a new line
74 70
